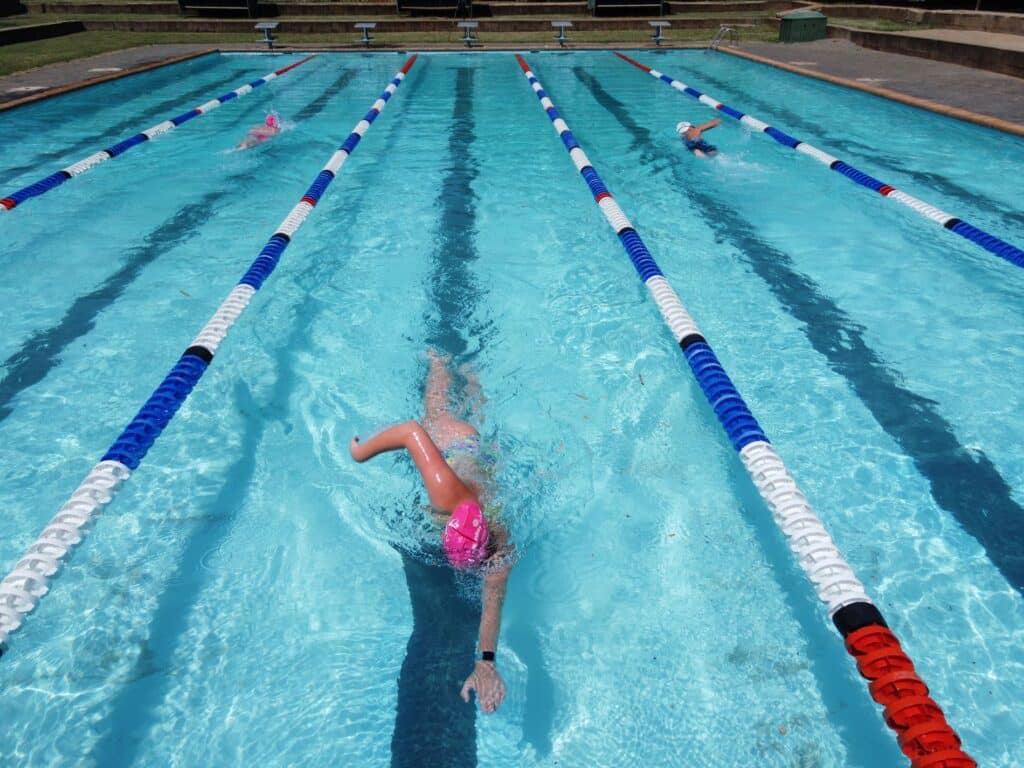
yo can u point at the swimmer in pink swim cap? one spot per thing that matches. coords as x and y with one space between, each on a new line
457 470
260 133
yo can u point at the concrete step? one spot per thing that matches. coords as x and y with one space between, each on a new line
372 8
552 8
80 9
737 6
299 25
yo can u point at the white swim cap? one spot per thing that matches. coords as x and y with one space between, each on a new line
683 127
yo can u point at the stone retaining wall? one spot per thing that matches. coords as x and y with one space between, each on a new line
39 31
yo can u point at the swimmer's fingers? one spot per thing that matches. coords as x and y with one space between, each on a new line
489 687
358 450
499 692
469 685
487 694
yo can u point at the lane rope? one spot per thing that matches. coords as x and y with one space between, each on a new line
922 731
54 180
989 242
23 588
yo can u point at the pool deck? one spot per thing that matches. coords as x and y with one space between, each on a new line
958 91
976 95
53 79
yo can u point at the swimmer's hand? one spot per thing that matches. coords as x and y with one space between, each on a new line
489 687
358 450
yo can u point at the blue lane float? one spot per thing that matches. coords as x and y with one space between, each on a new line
924 734
989 242
53 181
23 588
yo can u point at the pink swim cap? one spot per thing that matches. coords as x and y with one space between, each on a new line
271 120
465 536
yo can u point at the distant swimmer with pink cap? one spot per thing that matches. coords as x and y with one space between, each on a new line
457 472
261 133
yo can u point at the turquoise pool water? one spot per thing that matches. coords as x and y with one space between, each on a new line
244 599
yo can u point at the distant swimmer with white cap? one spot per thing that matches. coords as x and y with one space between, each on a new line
691 136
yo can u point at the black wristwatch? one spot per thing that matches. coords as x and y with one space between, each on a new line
487 656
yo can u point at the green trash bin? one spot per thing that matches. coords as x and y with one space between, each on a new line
802 26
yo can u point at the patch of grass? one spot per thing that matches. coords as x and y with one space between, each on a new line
20 56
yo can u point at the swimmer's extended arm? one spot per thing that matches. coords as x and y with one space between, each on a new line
443 486
495 584
486 680
709 125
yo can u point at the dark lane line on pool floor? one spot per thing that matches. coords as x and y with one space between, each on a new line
842 699
40 353
433 726
118 131
317 105
132 713
872 154
963 482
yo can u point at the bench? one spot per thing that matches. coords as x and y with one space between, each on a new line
659 26
561 26
366 26
219 7
267 27
468 28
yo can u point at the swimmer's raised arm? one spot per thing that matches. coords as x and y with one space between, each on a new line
709 125
443 486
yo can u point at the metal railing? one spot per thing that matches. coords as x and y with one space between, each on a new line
725 33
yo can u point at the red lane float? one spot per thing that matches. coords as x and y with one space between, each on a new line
919 723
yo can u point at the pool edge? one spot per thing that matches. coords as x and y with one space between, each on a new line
62 89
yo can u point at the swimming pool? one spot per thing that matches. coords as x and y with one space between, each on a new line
242 600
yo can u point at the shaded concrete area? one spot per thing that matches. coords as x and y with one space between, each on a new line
985 93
